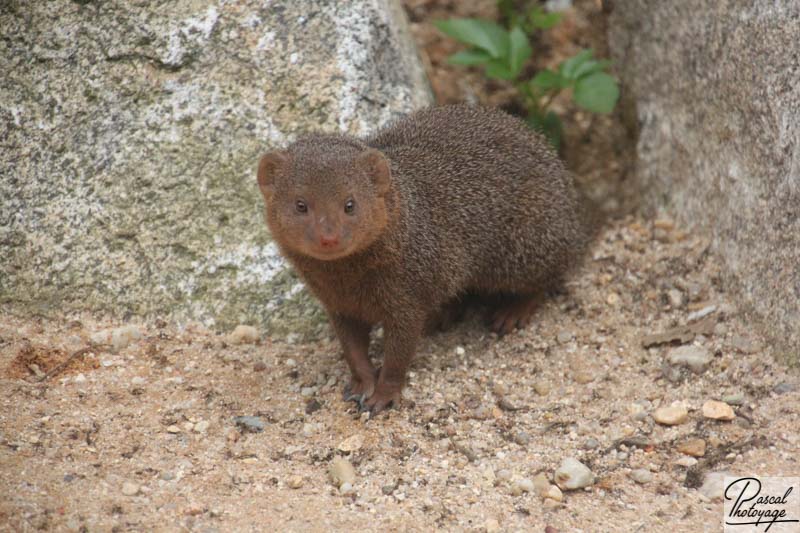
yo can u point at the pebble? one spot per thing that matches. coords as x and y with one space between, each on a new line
572 474
522 485
253 424
671 416
167 476
564 337
541 388
351 444
783 388
701 313
308 391
341 472
295 482
744 345
118 338
612 298
503 474
675 298
492 526
696 358
130 489
80 378
714 485
583 377
522 438
243 334
736 398
460 350
686 461
694 447
553 493
173 429
202 426
718 410
347 489
541 484
591 443
641 476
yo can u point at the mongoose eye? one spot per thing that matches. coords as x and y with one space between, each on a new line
301 206
349 206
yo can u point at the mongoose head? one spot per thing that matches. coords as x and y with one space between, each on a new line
325 196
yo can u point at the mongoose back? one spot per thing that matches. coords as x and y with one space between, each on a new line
390 228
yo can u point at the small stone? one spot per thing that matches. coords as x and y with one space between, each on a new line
591 443
253 424
460 350
541 388
783 388
308 391
387 490
696 358
341 471
553 493
492 526
130 489
736 398
525 485
313 406
694 447
167 476
503 474
675 298
612 298
701 313
664 223
641 476
291 362
541 484
295 482
671 416
583 376
522 438
173 429
744 344
202 426
80 378
714 485
346 489
243 334
718 410
351 444
118 338
138 381
564 337
686 461
572 474
259 366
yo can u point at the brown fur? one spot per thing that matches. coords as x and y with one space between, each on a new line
447 200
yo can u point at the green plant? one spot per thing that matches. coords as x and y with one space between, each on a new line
503 53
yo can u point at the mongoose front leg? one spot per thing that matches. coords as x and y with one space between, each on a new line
354 338
515 312
400 342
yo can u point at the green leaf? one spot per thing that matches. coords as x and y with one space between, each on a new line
590 67
542 20
549 125
469 58
597 93
484 34
569 67
546 80
519 51
498 69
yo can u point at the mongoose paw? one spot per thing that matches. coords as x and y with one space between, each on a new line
384 397
515 314
357 391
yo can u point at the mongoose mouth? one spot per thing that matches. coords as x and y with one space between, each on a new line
327 253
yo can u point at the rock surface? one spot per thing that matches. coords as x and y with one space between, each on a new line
717 114
130 135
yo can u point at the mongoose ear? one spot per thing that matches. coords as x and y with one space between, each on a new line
377 166
267 168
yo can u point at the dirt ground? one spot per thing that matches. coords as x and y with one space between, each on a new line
140 432
143 438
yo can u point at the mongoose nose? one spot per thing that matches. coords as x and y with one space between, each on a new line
328 241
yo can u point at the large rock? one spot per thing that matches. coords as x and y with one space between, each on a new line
130 133
714 91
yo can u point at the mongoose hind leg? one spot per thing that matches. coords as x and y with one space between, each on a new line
514 312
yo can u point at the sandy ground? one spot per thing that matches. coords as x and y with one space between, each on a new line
143 438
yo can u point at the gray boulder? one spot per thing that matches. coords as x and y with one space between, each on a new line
130 133
713 91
